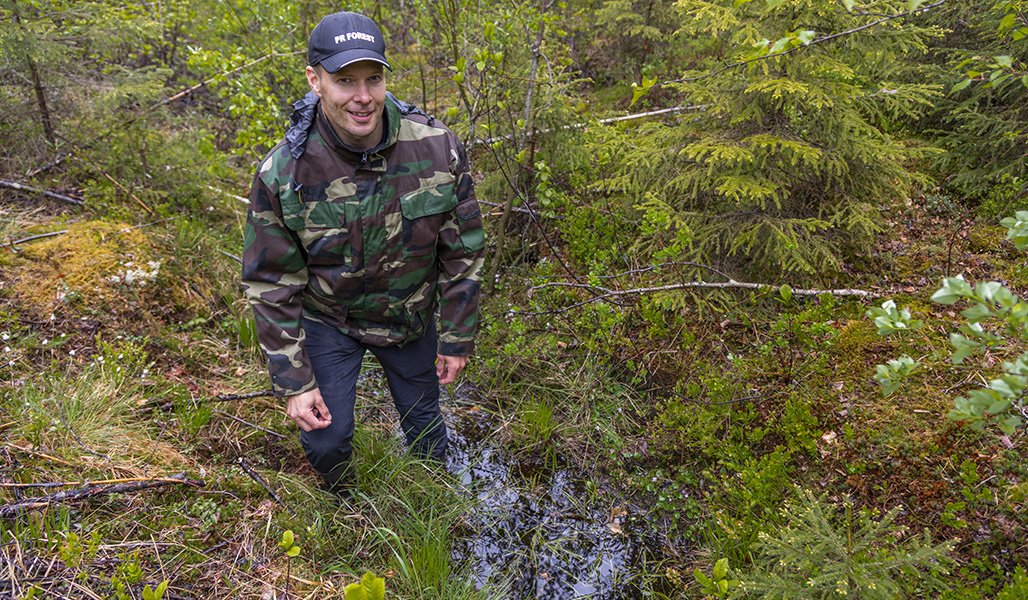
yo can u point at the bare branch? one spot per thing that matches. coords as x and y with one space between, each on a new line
605 293
11 510
14 185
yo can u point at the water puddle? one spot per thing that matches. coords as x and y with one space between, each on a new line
548 535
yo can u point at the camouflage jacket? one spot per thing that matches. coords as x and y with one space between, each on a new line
370 242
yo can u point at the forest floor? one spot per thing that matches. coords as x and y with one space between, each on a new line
126 349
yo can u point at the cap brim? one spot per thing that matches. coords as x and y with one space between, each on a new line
348 57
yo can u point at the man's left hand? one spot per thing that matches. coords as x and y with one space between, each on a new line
448 368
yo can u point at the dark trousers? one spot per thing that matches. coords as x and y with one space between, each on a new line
410 371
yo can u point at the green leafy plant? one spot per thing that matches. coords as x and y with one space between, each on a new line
155 593
288 546
718 584
996 318
370 587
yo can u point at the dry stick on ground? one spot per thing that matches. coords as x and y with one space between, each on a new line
256 477
38 236
605 293
246 396
14 185
11 510
249 424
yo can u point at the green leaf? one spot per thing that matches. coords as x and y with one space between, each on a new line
914 4
1008 22
161 588
721 569
849 4
976 313
1010 424
806 36
786 293
375 586
703 580
287 539
774 3
293 551
1004 61
963 347
953 288
779 45
739 3
1024 81
355 591
998 406
959 86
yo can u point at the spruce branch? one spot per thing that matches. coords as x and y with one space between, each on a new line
820 40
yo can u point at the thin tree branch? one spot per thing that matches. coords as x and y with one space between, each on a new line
607 121
819 40
260 480
249 424
605 293
38 236
14 185
11 510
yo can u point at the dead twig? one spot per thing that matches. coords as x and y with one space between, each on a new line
249 424
14 185
11 510
604 293
260 480
246 396
38 236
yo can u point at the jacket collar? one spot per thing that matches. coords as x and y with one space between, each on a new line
307 114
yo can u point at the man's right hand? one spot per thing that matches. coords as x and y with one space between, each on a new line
309 410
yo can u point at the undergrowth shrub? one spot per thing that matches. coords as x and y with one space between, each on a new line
822 550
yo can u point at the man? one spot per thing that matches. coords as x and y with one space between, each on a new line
362 222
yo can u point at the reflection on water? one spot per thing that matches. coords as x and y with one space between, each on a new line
551 540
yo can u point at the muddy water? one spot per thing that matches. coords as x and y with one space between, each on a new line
542 535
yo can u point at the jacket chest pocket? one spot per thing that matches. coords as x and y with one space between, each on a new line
425 211
322 229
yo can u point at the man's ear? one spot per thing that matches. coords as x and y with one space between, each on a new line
314 80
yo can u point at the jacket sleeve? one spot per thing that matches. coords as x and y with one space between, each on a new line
461 253
274 277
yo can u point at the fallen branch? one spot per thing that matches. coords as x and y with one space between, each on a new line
38 236
604 293
256 477
12 510
249 424
246 396
14 185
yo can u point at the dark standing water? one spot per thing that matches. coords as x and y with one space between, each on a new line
546 536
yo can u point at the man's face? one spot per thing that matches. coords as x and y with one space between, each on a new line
353 99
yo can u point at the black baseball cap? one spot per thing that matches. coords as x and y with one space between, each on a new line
343 38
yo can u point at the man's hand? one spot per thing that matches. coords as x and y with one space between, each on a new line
309 410
448 368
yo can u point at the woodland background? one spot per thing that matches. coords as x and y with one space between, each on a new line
699 213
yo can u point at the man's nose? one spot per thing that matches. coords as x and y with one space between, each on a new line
363 94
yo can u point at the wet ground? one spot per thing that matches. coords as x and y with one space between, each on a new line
542 533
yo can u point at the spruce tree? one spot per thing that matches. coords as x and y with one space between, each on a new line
788 161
